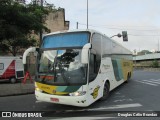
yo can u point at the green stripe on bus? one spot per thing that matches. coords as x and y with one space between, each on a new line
117 67
68 88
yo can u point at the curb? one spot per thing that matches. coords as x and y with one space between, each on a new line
16 94
8 89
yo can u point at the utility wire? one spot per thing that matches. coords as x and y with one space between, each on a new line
142 35
123 25
109 27
126 29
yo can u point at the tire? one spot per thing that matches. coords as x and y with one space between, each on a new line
13 80
105 91
128 78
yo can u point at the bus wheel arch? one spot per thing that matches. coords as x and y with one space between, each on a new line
106 89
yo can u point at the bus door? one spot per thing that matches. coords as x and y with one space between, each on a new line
94 78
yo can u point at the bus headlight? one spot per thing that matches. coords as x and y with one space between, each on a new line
37 89
78 93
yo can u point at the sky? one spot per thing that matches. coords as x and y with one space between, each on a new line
140 18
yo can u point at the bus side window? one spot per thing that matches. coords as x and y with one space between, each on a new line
92 67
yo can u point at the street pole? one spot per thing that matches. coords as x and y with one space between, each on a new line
135 57
87 14
40 34
77 25
158 45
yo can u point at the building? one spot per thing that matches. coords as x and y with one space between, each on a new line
55 20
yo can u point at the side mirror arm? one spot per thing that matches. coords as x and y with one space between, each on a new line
32 49
84 56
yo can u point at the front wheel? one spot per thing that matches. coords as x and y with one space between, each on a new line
13 80
105 91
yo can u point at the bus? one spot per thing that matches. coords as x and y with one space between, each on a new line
79 67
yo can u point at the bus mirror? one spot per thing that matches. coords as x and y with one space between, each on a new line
84 55
32 49
125 36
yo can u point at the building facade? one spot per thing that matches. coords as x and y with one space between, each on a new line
55 20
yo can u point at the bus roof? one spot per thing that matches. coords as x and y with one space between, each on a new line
76 30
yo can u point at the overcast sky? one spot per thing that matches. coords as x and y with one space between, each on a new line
140 18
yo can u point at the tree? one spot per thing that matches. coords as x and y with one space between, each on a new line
143 52
17 23
155 64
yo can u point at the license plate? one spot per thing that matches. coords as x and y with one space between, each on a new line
54 99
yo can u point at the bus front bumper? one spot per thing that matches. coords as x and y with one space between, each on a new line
80 101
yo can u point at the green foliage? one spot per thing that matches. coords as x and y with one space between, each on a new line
13 46
155 64
143 52
16 24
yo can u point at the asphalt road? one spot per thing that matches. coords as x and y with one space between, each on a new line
141 94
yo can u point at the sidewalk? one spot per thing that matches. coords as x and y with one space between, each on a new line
8 89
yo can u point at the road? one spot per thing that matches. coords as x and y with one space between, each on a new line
140 94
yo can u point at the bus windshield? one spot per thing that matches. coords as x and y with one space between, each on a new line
65 40
62 67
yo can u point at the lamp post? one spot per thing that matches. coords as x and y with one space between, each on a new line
87 14
158 45
41 32
135 53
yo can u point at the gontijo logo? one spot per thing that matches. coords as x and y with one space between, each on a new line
95 92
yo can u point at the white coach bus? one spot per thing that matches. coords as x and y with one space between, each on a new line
79 67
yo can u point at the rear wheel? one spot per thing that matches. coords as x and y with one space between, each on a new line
105 91
128 77
13 80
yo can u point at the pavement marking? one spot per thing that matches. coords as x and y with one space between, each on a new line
117 93
146 83
155 79
152 81
38 101
124 106
119 96
108 108
121 100
85 118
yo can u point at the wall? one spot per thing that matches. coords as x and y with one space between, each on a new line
55 21
144 63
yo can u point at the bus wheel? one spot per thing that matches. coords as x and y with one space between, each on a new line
128 78
13 80
105 91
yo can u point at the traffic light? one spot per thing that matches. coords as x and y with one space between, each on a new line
124 35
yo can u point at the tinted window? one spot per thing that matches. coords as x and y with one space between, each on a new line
66 40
